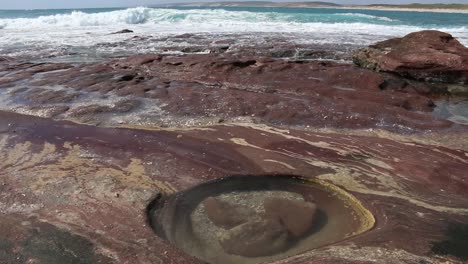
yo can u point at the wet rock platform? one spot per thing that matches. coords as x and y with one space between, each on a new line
89 152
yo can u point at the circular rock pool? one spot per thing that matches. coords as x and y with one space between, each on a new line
256 219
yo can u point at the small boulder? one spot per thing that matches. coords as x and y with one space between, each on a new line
296 216
123 31
255 238
427 55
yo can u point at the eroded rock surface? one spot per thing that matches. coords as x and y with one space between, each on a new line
73 192
205 89
224 214
255 238
96 182
426 55
296 216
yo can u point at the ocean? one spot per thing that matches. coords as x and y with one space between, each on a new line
86 32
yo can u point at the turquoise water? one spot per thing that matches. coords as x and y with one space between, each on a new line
333 15
299 15
69 31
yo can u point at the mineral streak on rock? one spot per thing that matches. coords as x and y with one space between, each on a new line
296 216
90 167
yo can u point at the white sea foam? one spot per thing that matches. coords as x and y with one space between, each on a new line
142 15
77 18
138 15
81 29
209 20
365 16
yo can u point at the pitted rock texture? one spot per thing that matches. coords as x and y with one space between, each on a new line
426 55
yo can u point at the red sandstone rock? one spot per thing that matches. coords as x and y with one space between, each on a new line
296 216
228 86
426 55
415 190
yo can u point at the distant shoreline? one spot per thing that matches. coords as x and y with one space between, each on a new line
322 5
385 8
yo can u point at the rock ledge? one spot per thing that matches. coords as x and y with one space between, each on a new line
425 55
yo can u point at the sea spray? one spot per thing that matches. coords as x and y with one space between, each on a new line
24 32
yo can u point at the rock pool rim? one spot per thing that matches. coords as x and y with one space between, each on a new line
160 200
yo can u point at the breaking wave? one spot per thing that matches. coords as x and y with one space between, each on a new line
143 15
78 18
358 15
84 28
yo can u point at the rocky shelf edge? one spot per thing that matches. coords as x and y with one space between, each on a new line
205 89
429 55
